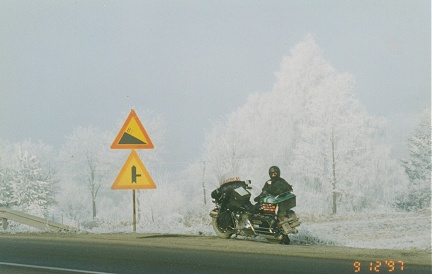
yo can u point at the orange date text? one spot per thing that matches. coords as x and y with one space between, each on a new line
387 266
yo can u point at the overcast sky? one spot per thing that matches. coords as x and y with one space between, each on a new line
65 64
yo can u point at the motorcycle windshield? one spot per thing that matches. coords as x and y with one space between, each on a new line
273 200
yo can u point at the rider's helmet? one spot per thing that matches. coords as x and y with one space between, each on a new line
274 172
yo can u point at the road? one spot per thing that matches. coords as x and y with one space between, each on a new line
133 253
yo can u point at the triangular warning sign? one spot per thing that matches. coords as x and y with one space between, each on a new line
133 175
132 135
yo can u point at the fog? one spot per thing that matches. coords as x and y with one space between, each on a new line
77 63
336 94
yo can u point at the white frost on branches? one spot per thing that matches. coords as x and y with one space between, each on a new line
28 181
418 165
313 127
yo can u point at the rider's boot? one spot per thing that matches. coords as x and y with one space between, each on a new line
285 240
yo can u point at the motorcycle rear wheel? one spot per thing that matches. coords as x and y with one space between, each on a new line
222 233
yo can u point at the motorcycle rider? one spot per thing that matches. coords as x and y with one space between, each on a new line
275 186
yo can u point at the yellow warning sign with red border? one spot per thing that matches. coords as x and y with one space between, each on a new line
132 135
133 175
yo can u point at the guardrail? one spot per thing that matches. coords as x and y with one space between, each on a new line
30 220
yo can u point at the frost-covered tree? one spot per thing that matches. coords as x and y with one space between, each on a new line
28 181
335 142
84 159
5 173
313 127
418 165
72 203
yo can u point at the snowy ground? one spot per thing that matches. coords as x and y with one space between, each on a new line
406 231
401 231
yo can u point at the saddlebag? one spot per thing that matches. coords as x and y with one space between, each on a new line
283 202
290 202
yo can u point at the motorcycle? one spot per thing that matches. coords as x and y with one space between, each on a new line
272 218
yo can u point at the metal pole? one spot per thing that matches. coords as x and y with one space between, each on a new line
334 174
203 185
4 223
134 211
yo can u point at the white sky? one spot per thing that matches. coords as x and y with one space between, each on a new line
65 64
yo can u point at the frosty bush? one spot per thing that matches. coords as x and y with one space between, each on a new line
170 208
418 166
27 177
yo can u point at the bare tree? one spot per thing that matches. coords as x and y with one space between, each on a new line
84 159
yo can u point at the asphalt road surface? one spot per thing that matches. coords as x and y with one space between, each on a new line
168 254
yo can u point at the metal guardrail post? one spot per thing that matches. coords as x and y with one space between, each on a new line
5 223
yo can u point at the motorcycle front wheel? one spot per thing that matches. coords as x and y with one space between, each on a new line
222 233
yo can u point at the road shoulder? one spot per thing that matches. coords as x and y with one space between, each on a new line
412 257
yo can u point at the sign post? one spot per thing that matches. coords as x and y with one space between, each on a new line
134 210
133 174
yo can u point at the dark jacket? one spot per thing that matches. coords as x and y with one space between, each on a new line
276 186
